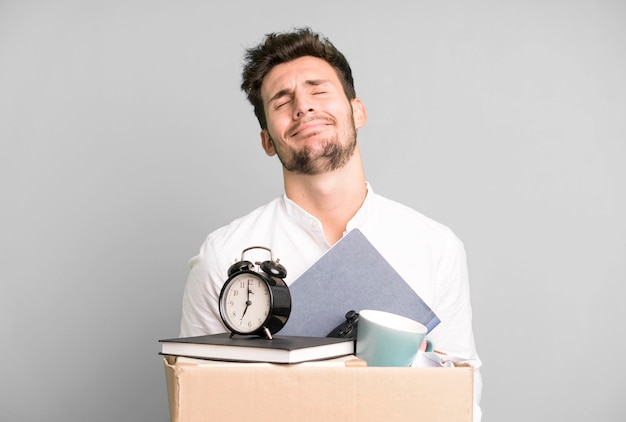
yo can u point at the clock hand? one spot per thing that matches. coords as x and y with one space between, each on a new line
248 303
245 310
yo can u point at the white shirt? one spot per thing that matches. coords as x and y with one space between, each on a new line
427 254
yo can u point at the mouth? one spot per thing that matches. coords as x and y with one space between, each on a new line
311 125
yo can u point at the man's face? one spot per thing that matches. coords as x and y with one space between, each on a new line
311 124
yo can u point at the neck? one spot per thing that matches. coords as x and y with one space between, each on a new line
333 197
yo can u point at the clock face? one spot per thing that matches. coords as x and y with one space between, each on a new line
245 303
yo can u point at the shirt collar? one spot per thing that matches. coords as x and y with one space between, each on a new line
312 224
364 212
300 215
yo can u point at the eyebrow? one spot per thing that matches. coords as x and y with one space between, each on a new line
285 91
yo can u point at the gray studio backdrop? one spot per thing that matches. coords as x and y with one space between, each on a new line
126 140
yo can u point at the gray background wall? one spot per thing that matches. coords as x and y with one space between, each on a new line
124 135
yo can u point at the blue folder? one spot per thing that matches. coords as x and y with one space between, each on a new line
352 275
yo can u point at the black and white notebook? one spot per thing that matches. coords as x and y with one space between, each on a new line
279 349
352 275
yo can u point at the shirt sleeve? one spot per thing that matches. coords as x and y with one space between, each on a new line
200 311
454 335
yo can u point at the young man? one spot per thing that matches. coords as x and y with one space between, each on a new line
303 95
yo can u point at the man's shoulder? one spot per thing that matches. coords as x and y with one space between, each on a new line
260 227
253 221
409 217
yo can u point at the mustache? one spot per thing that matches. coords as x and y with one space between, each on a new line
296 126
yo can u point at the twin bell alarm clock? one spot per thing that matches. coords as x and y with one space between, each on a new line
255 299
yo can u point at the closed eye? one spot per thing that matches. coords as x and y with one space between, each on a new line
281 104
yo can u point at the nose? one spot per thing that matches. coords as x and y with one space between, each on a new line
303 106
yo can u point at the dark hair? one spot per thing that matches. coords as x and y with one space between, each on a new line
280 48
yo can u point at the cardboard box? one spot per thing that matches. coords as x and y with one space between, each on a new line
317 393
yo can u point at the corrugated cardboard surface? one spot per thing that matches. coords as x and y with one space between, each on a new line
284 392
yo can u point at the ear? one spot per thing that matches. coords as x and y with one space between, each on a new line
267 144
358 113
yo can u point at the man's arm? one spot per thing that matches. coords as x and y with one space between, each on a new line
455 335
200 313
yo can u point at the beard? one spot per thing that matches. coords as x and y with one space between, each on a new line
326 155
